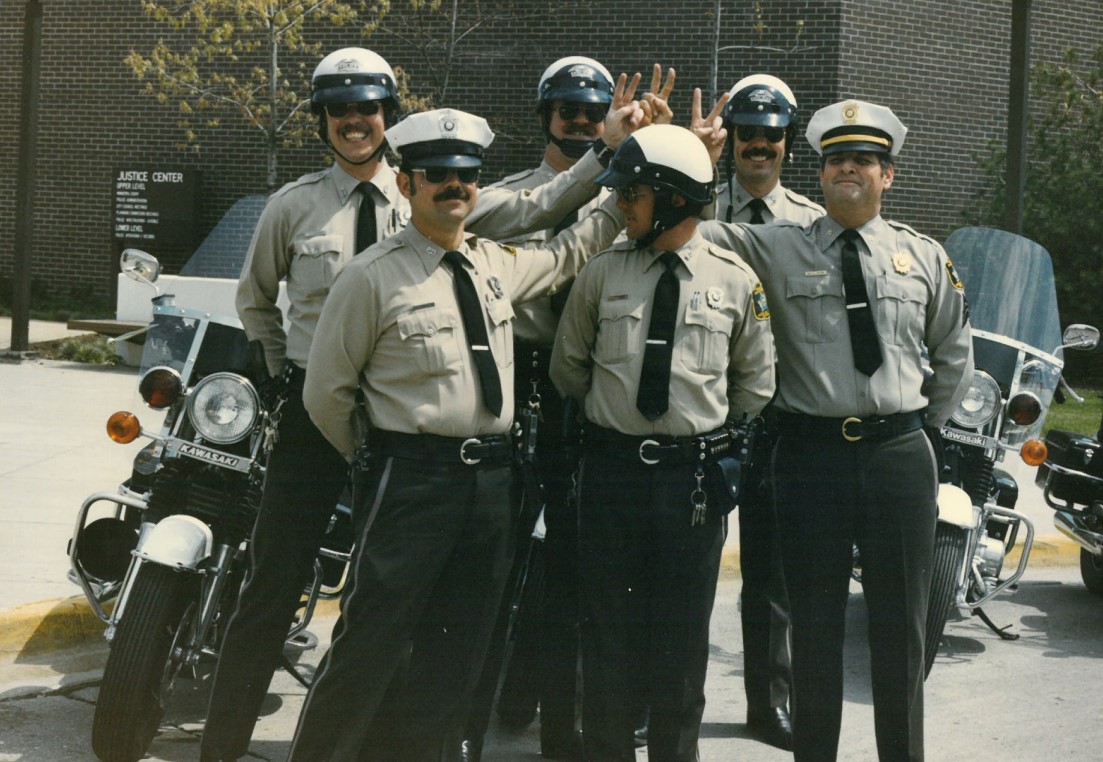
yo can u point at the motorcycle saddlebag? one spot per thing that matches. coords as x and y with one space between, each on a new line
1080 453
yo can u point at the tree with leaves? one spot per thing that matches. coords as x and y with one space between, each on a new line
1064 180
248 58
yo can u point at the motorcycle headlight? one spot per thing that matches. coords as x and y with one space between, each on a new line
223 407
981 402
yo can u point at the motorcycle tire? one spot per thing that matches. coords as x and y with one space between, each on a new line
1091 571
140 669
949 546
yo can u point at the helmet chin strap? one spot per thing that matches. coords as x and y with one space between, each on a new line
324 132
574 149
665 215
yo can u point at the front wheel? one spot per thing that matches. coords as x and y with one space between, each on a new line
141 667
949 546
1091 571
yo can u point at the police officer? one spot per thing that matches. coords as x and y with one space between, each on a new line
308 231
761 121
420 325
857 299
665 342
573 96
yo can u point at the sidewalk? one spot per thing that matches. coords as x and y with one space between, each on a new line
37 331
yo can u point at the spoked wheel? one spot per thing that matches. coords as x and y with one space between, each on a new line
1091 571
949 546
143 663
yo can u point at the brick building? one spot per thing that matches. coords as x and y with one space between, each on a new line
941 65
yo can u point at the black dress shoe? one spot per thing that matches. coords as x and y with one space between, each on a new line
471 750
772 726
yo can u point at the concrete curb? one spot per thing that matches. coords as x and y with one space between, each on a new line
34 630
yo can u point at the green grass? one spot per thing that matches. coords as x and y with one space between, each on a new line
1072 416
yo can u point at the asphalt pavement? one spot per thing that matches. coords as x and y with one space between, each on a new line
54 452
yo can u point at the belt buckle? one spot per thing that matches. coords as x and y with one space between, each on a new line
644 444
464 458
846 436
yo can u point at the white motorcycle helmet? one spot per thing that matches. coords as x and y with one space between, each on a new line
352 75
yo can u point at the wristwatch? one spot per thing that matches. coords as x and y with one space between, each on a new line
604 153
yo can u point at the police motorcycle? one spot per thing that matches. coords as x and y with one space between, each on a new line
1072 480
169 547
1017 347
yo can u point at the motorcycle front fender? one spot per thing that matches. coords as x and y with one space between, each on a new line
955 507
179 542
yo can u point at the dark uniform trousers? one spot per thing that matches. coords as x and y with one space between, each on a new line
647 584
881 496
557 635
305 478
431 562
764 607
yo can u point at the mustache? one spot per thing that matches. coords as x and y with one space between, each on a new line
450 193
759 153
587 130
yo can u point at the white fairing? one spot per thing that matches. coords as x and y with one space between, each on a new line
954 506
177 541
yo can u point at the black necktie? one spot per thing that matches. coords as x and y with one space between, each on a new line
654 392
474 326
863 331
365 218
757 206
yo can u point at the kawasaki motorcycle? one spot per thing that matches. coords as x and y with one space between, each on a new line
1017 347
169 547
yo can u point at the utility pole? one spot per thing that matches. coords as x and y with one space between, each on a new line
24 207
1017 100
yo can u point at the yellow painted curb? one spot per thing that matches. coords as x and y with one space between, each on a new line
36 628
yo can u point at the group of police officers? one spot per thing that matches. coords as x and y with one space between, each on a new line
739 347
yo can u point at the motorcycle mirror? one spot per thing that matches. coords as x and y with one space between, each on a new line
1081 336
139 265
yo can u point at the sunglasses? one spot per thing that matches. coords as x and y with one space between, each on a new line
437 175
364 108
595 112
748 132
630 193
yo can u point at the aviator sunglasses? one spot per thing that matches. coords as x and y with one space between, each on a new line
437 175
631 192
595 112
748 132
364 108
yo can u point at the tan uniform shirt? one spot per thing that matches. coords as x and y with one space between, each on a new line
917 302
781 204
535 323
722 367
392 328
307 233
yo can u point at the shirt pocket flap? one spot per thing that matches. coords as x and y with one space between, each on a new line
614 311
711 320
813 287
900 289
500 311
318 245
426 322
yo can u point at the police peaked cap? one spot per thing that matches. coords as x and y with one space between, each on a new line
855 126
440 138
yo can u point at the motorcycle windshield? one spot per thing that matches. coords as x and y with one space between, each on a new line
169 341
1009 285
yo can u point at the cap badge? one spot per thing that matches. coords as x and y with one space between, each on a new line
714 297
447 126
761 97
902 263
348 64
495 286
850 113
581 71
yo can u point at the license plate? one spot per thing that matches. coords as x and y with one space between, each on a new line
968 437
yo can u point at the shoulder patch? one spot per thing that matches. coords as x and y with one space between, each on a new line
955 281
512 251
758 302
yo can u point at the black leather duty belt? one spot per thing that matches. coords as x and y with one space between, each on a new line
653 450
491 450
851 429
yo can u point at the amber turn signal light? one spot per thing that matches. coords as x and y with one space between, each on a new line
123 427
1024 408
160 387
1034 452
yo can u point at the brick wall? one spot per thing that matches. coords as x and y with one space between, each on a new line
941 65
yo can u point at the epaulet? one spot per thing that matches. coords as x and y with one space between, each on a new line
909 229
474 242
307 179
506 182
804 201
377 251
728 256
627 245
